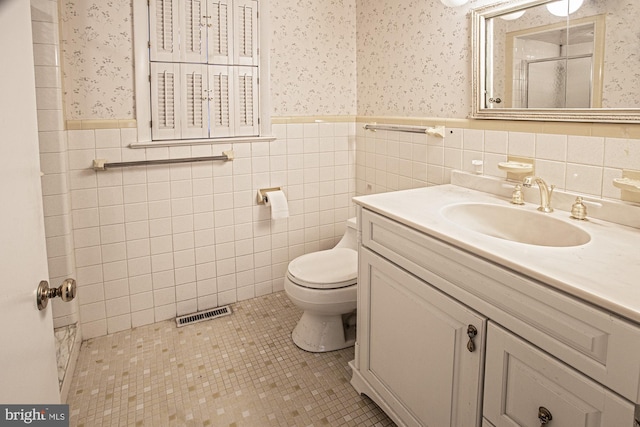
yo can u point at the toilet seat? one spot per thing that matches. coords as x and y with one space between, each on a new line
330 269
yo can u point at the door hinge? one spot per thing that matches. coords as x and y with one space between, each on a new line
149 44
150 123
149 78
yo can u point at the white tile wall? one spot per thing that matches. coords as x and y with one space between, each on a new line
53 155
159 241
575 163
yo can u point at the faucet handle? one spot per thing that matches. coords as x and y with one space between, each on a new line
578 209
517 197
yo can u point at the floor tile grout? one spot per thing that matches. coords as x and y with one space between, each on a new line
238 370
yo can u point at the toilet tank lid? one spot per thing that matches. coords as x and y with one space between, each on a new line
325 267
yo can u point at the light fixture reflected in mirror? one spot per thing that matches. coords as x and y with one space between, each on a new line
512 16
453 3
564 7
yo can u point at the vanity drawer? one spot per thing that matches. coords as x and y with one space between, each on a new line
523 384
595 342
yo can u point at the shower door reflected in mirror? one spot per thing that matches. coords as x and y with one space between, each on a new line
554 66
557 83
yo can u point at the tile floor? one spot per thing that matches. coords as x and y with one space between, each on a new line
238 370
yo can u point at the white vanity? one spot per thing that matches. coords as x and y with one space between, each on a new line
459 328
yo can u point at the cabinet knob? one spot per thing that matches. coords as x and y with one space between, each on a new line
544 415
471 333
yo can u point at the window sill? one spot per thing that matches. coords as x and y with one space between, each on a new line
208 141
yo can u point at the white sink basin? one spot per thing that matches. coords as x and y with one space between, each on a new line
516 224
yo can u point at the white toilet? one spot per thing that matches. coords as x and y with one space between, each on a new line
324 285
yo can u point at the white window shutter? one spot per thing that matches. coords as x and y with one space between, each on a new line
163 30
246 106
204 68
219 15
194 115
245 32
165 101
221 101
193 24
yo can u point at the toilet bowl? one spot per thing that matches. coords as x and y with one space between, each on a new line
324 285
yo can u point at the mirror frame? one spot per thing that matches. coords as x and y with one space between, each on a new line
479 16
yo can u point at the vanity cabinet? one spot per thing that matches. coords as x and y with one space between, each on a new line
420 350
418 295
526 387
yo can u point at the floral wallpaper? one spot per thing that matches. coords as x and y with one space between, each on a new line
413 59
621 85
313 68
313 58
97 59
334 57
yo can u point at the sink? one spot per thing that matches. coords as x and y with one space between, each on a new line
516 224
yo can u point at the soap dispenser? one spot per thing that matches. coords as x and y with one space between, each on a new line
578 209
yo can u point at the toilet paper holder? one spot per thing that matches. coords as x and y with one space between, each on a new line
263 198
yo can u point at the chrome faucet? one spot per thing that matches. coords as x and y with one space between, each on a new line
545 192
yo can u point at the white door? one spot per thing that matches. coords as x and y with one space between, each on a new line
28 374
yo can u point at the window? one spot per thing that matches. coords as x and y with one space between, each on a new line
203 69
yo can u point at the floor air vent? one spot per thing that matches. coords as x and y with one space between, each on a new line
203 315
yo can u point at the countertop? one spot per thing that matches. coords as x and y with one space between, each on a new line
604 272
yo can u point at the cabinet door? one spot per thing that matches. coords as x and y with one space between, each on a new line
193 32
246 111
414 352
177 31
520 379
165 100
194 114
245 32
221 100
220 32
163 30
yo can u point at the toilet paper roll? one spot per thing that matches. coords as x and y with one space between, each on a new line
277 201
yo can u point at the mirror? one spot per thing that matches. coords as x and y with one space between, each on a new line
557 60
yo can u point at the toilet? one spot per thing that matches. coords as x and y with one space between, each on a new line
324 285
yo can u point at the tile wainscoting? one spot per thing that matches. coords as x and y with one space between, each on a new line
577 157
159 241
154 242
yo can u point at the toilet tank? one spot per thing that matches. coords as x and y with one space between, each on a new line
349 240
